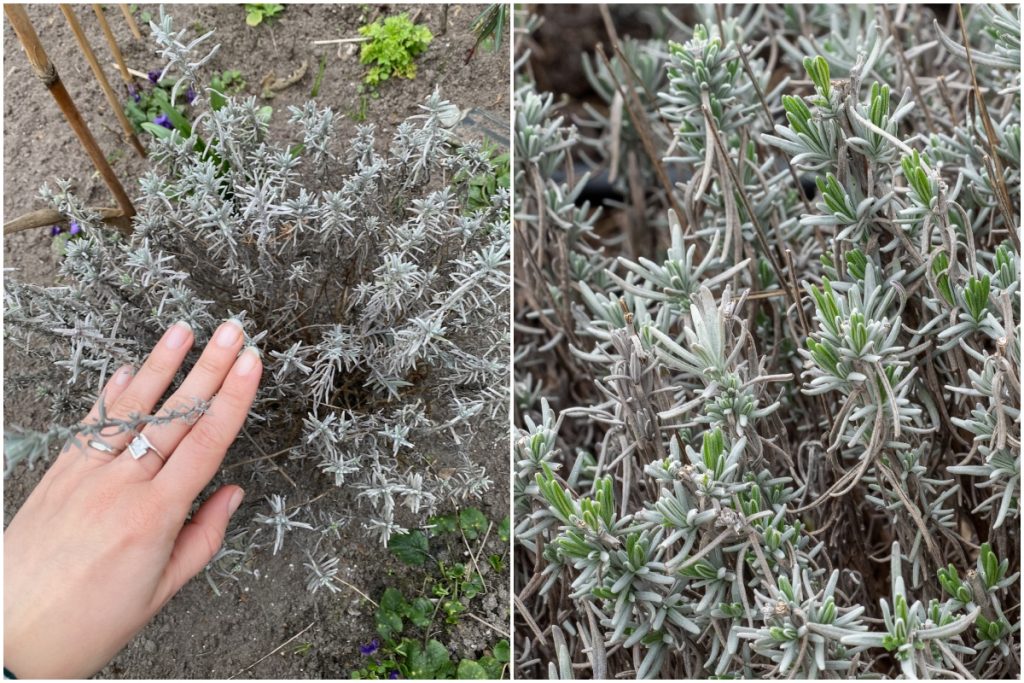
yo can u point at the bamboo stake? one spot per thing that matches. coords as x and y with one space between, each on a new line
337 41
141 75
134 27
112 42
47 73
90 56
44 217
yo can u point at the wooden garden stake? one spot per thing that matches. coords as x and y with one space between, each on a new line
43 217
112 42
90 56
47 73
127 12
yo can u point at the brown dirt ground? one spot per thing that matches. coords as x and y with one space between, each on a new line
200 634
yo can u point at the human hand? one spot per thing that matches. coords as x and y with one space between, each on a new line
101 544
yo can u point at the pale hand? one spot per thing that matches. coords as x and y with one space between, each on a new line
101 544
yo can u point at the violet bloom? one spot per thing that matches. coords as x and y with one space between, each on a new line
162 120
393 675
154 77
75 228
134 93
369 648
190 95
54 231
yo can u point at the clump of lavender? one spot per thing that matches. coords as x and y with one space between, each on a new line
378 298
763 431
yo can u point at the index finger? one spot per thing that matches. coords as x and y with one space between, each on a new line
200 453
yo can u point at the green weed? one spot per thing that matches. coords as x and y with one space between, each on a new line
405 623
225 84
489 27
359 115
393 46
258 12
319 77
483 186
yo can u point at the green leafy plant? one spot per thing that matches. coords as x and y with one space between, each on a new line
489 27
483 186
150 106
145 16
163 103
223 85
392 47
258 12
407 623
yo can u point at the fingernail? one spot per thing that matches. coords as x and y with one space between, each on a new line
236 500
123 376
247 361
228 334
178 335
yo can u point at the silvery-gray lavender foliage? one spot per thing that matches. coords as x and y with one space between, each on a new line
178 54
784 440
377 298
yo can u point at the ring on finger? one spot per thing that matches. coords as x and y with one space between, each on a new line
141 445
101 446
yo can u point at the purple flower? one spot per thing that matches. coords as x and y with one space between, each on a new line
75 228
369 648
154 77
190 95
393 675
54 231
162 120
134 93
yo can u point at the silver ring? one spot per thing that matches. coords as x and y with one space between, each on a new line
140 445
101 447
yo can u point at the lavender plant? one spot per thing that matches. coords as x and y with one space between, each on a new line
768 406
376 293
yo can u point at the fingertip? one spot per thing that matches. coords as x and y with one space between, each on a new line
235 500
229 334
178 335
123 376
248 363
115 385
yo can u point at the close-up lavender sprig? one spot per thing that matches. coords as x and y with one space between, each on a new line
767 343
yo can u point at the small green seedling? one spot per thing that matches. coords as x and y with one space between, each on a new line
258 12
224 85
318 81
405 645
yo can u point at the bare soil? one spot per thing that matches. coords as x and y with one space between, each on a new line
240 632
